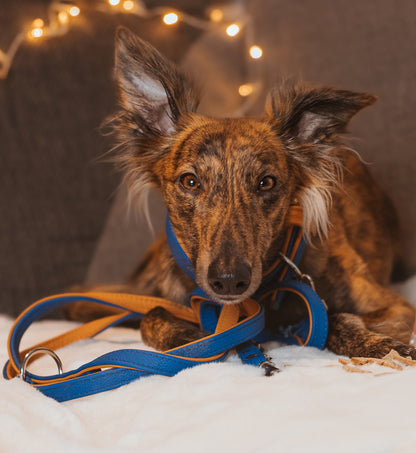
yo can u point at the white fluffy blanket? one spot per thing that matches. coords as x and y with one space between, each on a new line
312 405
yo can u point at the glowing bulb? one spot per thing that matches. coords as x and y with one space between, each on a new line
38 23
170 18
74 11
63 17
256 52
36 32
245 90
128 5
233 30
114 2
37 28
216 15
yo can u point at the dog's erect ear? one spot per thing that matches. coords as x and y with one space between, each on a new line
153 95
309 121
150 87
314 115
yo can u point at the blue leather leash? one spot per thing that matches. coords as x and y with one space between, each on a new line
120 367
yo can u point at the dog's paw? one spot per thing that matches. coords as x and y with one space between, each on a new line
406 351
381 348
162 330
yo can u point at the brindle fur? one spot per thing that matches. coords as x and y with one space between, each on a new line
227 220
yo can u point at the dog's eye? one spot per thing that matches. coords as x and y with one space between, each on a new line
190 181
267 183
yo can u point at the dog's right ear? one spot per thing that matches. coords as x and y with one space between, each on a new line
150 87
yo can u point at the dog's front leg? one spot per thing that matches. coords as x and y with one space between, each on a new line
162 330
366 319
348 335
382 321
159 328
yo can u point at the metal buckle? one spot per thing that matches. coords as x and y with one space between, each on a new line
302 277
269 367
37 351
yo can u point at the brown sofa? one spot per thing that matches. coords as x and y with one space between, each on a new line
61 223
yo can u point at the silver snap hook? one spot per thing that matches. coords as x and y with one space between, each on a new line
302 277
269 367
38 351
298 272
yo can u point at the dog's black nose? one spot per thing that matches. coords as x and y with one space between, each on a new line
230 283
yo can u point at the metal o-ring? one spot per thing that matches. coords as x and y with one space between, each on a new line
37 351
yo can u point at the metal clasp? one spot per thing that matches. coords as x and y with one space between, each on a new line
302 277
268 365
269 368
299 273
37 351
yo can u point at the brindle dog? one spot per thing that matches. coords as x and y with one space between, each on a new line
228 185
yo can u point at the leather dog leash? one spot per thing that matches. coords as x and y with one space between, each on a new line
229 326
119 367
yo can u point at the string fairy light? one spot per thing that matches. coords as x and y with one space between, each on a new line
37 29
38 23
232 30
216 15
256 52
74 11
36 32
170 18
63 17
245 90
128 5
230 18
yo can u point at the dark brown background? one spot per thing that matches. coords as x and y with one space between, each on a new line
56 199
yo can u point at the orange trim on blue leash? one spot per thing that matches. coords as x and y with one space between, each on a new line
231 326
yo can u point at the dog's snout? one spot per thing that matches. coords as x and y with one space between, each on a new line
233 282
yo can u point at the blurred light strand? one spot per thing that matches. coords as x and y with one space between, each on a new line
62 13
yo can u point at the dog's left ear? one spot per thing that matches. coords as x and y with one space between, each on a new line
150 87
309 121
314 115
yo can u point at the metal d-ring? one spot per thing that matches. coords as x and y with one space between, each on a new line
37 351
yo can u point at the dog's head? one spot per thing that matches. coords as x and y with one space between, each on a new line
228 183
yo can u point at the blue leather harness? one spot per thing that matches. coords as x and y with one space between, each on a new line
309 332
